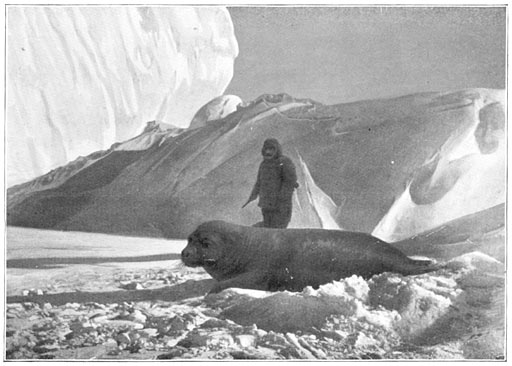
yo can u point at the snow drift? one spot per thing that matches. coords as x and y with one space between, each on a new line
388 310
81 78
465 175
378 166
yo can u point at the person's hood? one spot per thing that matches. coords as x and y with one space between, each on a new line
272 143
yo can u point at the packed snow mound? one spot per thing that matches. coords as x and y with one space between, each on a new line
81 78
387 310
478 261
389 301
216 109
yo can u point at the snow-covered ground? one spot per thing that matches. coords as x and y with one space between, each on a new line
93 296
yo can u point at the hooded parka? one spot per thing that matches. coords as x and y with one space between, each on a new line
275 183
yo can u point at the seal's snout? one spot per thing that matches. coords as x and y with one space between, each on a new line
187 252
189 256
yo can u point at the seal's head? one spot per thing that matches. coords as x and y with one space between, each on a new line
205 246
216 246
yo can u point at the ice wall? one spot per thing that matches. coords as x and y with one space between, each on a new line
80 78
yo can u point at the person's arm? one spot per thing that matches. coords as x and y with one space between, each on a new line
255 190
289 178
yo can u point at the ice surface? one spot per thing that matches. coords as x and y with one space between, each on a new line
81 78
455 312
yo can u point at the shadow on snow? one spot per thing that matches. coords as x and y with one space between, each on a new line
49 263
185 290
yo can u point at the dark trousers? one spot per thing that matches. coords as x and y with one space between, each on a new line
276 218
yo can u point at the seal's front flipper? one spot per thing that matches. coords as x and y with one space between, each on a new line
249 280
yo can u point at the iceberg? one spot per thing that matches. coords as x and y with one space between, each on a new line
80 78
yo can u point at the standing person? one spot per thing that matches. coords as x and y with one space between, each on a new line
274 185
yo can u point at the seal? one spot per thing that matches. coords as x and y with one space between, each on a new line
290 259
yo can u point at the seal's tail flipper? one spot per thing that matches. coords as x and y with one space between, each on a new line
419 266
422 262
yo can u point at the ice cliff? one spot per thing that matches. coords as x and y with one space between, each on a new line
81 78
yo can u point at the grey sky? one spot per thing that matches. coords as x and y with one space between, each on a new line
343 54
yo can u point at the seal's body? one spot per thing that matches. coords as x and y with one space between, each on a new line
291 259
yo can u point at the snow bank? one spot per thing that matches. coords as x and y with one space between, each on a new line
378 314
399 305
